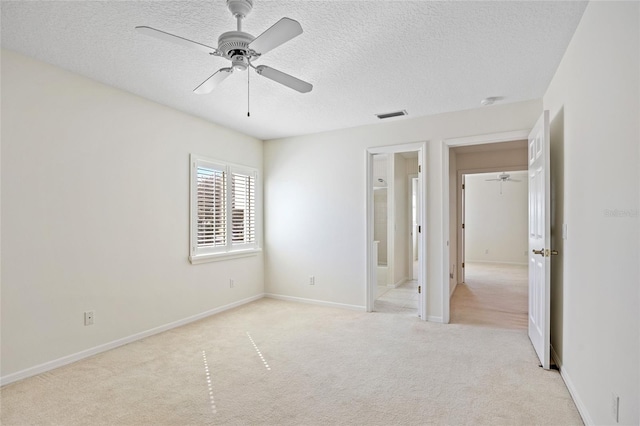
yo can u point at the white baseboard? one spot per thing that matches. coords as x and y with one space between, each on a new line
582 409
50 365
432 318
556 358
399 283
316 302
455 285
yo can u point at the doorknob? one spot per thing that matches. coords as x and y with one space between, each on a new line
545 253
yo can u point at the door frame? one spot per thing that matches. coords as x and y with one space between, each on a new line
460 194
412 229
371 261
460 251
447 144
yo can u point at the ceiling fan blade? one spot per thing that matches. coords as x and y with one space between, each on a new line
493 180
284 79
209 84
281 32
162 35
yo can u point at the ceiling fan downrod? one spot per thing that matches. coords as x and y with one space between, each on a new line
240 9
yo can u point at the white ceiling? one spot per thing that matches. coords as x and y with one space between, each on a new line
363 57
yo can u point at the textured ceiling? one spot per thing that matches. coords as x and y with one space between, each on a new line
362 57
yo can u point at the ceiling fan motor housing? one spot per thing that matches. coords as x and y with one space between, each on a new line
234 45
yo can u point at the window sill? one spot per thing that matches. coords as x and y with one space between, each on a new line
216 257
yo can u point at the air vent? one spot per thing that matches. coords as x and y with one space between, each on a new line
391 114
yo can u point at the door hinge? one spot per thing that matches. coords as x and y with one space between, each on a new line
463 186
463 264
419 168
419 289
419 229
463 226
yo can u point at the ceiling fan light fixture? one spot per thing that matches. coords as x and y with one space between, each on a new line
240 63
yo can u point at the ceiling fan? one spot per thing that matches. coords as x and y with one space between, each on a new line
503 177
242 48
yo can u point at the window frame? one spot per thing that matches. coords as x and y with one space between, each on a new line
230 249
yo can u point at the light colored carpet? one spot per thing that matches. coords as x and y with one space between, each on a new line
273 362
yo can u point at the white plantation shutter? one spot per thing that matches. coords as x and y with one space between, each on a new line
223 209
212 211
243 207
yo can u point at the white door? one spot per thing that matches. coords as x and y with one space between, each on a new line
420 215
462 231
539 240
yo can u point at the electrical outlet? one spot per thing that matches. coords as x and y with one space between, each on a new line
615 407
231 283
88 318
312 280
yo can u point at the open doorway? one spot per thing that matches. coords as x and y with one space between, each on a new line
395 233
494 241
475 154
537 163
396 239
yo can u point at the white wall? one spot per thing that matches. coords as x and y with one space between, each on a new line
594 108
323 234
95 215
496 220
380 223
497 157
380 207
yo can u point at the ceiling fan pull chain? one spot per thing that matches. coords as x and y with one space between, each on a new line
248 105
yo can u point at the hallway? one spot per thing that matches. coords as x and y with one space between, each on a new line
494 295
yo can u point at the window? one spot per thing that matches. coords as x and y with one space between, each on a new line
223 210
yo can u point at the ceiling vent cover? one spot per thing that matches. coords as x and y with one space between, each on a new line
391 114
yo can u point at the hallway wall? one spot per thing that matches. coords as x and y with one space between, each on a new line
496 216
594 107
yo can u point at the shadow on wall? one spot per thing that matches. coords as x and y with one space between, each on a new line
557 240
